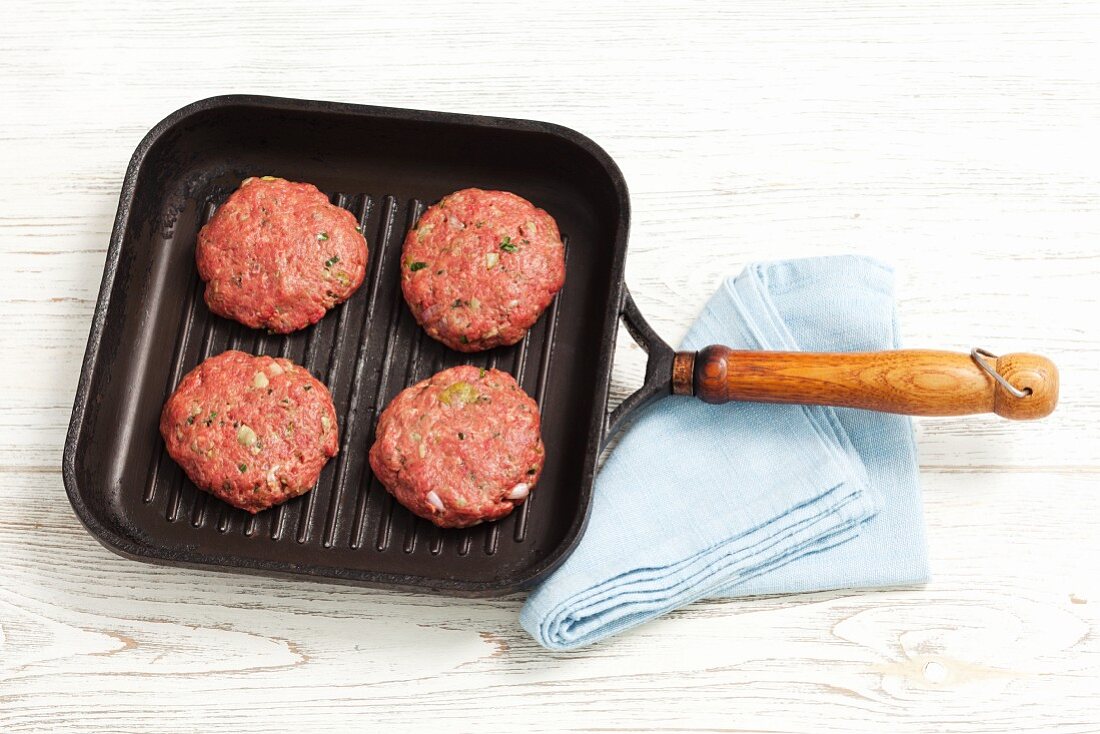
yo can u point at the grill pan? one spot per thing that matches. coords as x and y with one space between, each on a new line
151 326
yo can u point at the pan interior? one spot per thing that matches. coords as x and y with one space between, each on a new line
384 166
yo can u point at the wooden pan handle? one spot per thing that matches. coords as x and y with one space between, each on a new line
909 381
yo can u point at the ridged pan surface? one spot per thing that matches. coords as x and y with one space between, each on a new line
385 166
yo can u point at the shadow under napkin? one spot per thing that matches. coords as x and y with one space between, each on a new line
740 499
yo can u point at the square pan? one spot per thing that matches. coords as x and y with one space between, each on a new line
385 165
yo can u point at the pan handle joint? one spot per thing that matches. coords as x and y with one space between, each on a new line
658 370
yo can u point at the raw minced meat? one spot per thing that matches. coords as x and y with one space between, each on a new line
480 267
278 255
253 431
461 447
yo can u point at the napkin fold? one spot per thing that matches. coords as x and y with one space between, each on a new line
740 499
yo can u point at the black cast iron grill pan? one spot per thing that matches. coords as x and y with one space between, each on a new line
384 165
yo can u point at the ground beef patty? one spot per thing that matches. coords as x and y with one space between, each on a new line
479 268
277 255
254 431
459 448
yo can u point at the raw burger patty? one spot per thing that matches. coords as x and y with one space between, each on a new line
459 448
253 431
479 268
277 255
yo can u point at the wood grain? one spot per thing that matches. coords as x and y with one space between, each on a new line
953 139
921 382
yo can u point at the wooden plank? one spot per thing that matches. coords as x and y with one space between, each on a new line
1005 637
956 140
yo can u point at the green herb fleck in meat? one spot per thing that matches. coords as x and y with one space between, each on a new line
457 303
481 372
464 339
242 468
460 393
332 261
417 266
531 471
190 419
322 236
507 246
210 419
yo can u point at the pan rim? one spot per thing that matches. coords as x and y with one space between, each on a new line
129 547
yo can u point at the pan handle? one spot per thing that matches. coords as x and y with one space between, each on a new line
910 382
657 370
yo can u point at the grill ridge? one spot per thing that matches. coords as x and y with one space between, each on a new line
187 321
305 520
397 312
385 232
340 483
175 495
540 391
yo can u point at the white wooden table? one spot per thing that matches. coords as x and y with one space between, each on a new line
958 140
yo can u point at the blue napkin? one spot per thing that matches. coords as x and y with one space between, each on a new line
740 499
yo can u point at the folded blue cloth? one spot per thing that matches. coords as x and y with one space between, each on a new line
740 499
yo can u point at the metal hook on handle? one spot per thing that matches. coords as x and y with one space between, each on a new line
977 353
